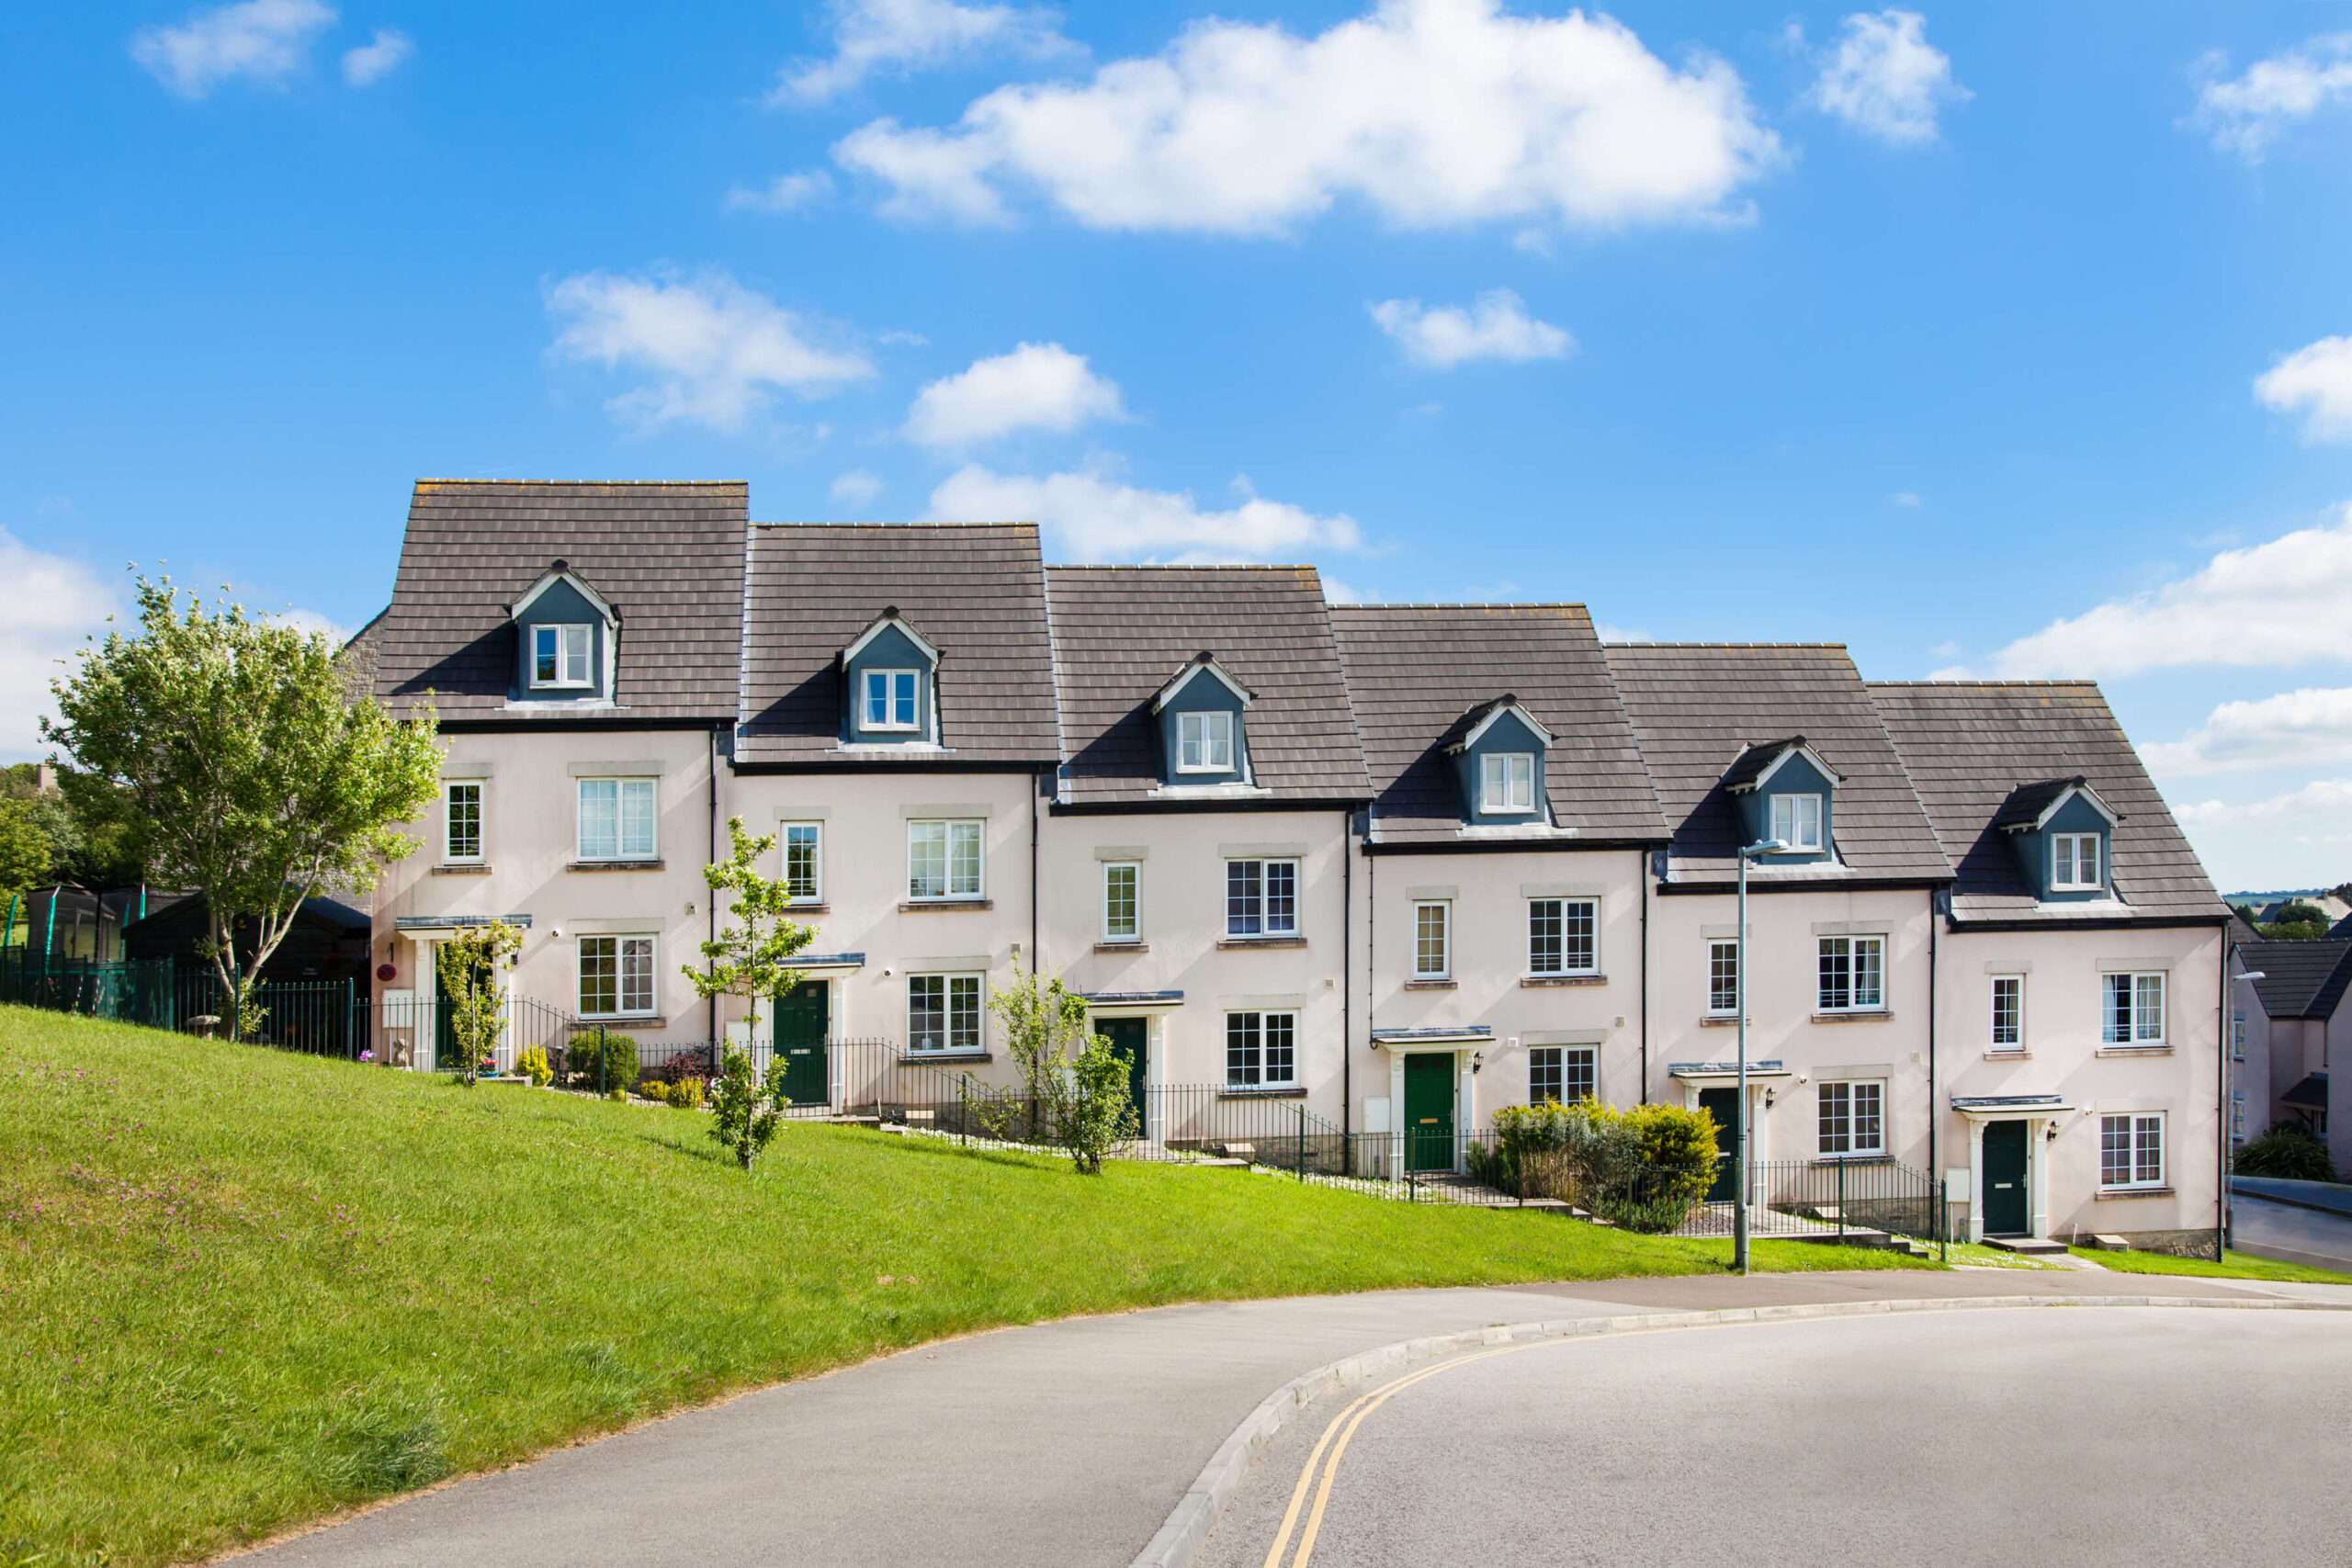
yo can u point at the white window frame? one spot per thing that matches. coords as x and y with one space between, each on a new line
2237 1037
1797 829
1260 905
951 829
620 946
1423 968
2237 1115
1720 950
889 679
1854 947
816 832
2072 844
1591 908
2140 986
1565 1065
1255 1044
449 788
1134 932
2143 1131
1204 741
572 638
1994 1042
1506 783
949 982
1846 1094
623 789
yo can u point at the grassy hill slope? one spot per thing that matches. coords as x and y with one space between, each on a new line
240 1290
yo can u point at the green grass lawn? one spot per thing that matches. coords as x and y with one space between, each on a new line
2233 1266
240 1289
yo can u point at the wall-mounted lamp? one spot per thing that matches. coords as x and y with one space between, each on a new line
1478 1060
2050 1133
1767 1100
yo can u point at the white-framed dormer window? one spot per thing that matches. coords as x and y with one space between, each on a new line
461 822
616 820
1722 978
2132 1009
804 861
1506 783
1260 1049
1853 974
2131 1150
559 655
1796 820
1433 940
944 860
1563 936
2075 862
2008 1013
944 1013
1853 1118
1122 901
1260 897
615 976
1204 742
887 700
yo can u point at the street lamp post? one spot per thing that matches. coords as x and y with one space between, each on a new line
1739 1106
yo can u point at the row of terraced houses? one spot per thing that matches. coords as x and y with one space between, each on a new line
1405 864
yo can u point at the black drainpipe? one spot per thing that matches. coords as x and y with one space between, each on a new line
1935 997
1642 878
1036 787
2222 1106
1347 982
711 901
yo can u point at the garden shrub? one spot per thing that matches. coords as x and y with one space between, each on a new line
686 1094
533 1064
655 1090
607 1060
2288 1152
1642 1169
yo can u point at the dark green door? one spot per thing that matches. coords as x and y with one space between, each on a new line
803 1020
1428 1110
1723 1104
2006 1213
1128 1037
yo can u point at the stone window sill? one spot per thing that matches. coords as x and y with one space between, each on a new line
1122 947
1564 979
1721 1020
1859 1015
1276 1092
463 868
2104 1193
1431 985
818 909
1236 942
633 1020
937 906
2133 1051
911 1057
614 865
2009 1055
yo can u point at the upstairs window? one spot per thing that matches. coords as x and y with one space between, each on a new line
1561 936
1722 978
804 861
2075 862
463 844
890 701
1122 917
1203 742
1853 973
2133 1009
2009 1012
2237 1037
1506 783
1261 898
943 859
1796 821
616 820
559 655
1433 928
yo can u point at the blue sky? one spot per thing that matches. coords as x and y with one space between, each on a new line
2008 340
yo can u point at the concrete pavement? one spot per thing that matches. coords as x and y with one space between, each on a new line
1064 1443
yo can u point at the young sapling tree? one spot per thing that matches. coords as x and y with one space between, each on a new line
751 957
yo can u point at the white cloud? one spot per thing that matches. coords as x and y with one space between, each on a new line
1496 327
2302 727
378 58
308 621
2279 603
1608 633
1885 79
265 40
2244 113
856 487
1039 386
785 193
53 604
1337 593
711 350
1904 498
1430 112
2315 380
1093 518
907 35
2295 840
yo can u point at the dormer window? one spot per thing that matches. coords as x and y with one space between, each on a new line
2075 862
559 655
889 699
1796 821
1784 791
2060 830
1204 742
1506 783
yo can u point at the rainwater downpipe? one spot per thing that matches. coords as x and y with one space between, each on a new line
711 912
1347 982
1935 1001
2222 1111
1642 879
1036 788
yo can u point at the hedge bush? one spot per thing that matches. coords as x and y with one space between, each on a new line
605 1060
2288 1152
1643 1169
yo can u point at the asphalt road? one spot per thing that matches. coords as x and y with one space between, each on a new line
2138 1436
2298 1235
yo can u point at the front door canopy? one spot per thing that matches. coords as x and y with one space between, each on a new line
1415 1039
2008 1107
1710 1073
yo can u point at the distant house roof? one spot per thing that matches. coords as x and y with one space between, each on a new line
1118 632
2309 1090
1967 745
1422 677
2299 980
1695 708
976 592
669 556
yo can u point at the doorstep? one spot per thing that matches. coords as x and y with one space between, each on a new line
2028 1246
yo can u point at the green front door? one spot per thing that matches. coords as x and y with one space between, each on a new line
1723 1104
1428 1110
803 1020
2007 1210
1128 1037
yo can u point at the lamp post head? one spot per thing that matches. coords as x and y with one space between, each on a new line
1764 847
2254 974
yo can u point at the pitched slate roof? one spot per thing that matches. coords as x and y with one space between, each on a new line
2299 980
975 591
1120 631
1969 744
2024 805
1421 676
1696 708
668 556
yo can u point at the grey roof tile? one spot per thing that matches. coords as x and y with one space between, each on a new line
2299 980
358 656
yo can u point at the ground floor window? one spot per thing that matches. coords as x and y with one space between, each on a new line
1560 1075
2131 1150
943 1012
1853 1118
616 975
1260 1049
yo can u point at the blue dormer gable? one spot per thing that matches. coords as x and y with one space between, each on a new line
1499 766
1200 717
2064 836
567 640
890 685
1785 790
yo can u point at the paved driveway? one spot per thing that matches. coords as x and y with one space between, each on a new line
2298 1234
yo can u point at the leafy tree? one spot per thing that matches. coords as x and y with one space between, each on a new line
751 957
26 852
1075 1081
255 784
468 964
2298 912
